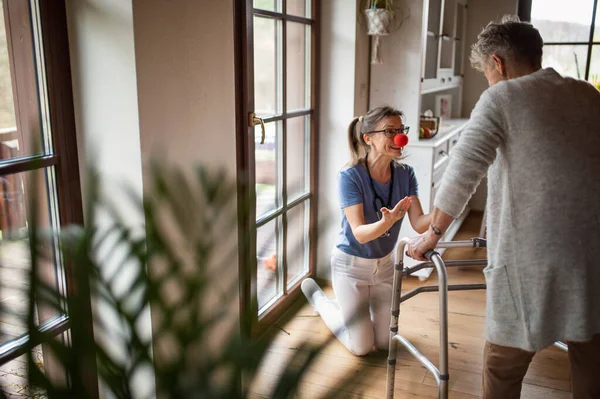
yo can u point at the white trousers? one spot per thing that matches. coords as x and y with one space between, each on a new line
360 314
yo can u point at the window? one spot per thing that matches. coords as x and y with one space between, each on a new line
571 36
38 157
279 92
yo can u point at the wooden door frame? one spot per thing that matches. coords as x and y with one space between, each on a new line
243 17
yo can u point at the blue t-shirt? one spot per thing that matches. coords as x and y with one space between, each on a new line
354 188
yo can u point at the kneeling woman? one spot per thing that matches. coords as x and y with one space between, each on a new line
375 194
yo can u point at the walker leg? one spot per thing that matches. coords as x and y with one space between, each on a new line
443 390
395 313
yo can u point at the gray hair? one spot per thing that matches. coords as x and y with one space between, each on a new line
511 39
368 123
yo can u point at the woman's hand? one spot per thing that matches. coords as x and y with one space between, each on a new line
392 216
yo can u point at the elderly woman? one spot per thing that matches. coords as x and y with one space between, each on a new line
535 134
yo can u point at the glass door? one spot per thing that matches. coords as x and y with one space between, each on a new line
280 96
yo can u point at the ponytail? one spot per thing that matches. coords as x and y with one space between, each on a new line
353 142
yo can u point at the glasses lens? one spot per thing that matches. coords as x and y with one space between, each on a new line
390 132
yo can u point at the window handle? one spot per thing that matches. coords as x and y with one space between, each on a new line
253 120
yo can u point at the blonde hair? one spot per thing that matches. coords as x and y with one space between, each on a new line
368 123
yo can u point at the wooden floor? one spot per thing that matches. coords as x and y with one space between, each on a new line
336 371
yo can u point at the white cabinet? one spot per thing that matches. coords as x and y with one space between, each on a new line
429 158
444 27
422 60
443 34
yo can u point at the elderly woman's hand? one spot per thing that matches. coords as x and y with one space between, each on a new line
417 246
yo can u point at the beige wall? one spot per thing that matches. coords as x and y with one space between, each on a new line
344 83
396 82
480 13
154 79
184 54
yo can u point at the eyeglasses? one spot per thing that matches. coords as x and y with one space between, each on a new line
390 133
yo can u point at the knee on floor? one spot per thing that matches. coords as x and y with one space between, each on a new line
361 348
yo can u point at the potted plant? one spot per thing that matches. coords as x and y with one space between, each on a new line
380 17
185 214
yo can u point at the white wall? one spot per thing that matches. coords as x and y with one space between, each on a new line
480 13
344 82
396 82
105 98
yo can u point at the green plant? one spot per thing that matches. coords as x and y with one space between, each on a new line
179 262
387 4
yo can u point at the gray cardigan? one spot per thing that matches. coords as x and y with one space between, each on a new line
538 139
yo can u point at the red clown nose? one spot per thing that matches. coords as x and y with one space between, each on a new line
401 140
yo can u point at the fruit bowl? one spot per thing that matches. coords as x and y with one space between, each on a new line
428 126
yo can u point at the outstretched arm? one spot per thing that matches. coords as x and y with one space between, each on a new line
418 220
365 232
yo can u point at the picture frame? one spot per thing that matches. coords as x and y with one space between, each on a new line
443 106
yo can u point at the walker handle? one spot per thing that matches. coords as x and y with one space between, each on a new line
429 254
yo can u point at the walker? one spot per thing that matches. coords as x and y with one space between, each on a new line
435 260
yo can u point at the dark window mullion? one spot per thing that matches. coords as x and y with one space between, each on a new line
284 143
591 41
27 164
569 43
269 216
286 115
282 16
16 347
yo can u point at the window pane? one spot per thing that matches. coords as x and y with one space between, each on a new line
298 139
268 166
269 5
267 66
13 377
298 66
14 374
595 67
7 109
21 81
297 243
597 26
567 60
269 260
431 57
299 7
557 24
15 260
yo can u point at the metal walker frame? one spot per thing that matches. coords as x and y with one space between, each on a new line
435 260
